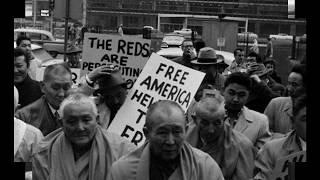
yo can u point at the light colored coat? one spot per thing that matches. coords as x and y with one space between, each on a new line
235 150
274 150
194 165
279 111
254 125
26 138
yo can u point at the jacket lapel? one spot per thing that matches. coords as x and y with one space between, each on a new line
144 164
243 120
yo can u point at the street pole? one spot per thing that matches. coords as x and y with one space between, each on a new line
66 30
34 3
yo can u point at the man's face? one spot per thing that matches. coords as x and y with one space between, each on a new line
235 96
79 123
20 69
56 88
210 125
239 56
115 97
167 134
300 123
294 82
25 45
270 68
187 48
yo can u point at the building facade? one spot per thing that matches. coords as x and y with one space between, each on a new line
264 16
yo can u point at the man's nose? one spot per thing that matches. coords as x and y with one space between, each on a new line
170 139
211 128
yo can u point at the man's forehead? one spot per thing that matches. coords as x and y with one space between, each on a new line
237 89
293 76
76 109
187 43
25 42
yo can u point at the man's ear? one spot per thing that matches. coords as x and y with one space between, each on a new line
42 86
145 132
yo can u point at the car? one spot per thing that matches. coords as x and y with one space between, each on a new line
174 52
172 40
185 32
43 38
281 36
244 35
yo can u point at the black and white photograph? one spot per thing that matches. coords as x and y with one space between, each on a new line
160 90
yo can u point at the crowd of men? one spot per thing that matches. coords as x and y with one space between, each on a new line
241 121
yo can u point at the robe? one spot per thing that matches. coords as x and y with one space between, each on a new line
54 158
194 165
233 152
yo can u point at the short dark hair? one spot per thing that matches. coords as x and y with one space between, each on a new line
186 40
50 68
20 52
257 56
236 50
239 78
300 69
166 105
21 38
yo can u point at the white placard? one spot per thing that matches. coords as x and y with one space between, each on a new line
130 53
160 79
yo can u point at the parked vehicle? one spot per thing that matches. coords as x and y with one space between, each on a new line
281 36
185 32
247 35
173 52
44 39
172 40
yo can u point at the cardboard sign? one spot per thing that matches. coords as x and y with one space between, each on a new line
281 170
130 53
75 74
160 79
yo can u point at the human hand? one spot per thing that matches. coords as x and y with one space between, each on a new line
101 71
256 78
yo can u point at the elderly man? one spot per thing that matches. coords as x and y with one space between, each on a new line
232 150
80 149
279 109
251 123
207 62
26 137
293 142
106 83
24 43
28 88
43 112
165 155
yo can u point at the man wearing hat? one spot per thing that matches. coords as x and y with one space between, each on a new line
261 94
207 62
106 83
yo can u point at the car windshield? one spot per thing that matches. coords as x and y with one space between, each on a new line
42 54
173 38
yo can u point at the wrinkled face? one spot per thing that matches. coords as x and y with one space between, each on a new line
56 88
299 124
239 56
294 82
167 134
235 96
20 69
115 97
79 123
210 125
270 68
187 48
25 45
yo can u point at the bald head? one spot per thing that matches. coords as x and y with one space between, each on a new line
163 110
210 106
56 70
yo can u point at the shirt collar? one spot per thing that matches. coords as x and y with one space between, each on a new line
52 109
246 114
303 144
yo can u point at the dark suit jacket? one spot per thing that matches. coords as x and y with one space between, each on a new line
39 115
29 91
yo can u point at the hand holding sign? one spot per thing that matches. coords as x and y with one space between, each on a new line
101 71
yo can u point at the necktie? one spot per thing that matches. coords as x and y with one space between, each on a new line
57 118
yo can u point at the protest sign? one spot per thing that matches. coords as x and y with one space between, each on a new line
160 79
281 170
75 74
129 53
